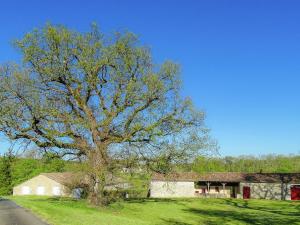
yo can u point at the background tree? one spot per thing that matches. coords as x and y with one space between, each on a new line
248 164
6 178
87 95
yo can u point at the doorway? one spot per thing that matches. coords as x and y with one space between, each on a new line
246 192
233 193
295 192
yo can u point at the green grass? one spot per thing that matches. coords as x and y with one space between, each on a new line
164 211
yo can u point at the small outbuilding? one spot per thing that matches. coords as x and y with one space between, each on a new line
280 186
48 184
65 184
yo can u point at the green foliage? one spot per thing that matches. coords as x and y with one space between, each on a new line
6 176
251 164
52 162
140 185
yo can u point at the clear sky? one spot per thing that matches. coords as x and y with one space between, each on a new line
240 59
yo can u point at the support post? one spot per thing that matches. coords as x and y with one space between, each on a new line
208 187
223 184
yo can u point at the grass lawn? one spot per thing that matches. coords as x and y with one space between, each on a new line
62 211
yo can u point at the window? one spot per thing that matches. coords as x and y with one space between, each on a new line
25 190
203 190
40 190
56 190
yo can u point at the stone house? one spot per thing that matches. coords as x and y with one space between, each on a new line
280 186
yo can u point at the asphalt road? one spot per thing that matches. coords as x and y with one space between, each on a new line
12 214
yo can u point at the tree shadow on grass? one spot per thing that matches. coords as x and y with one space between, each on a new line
220 216
173 222
159 200
147 200
283 209
129 200
297 206
118 205
54 199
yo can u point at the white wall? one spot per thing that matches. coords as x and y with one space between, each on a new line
40 185
165 189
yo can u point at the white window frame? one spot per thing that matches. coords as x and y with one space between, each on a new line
56 191
26 190
40 190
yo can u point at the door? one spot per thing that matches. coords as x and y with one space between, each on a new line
246 192
295 193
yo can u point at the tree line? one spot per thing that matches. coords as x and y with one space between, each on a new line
250 164
15 170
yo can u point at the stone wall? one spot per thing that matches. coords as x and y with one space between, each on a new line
165 189
278 191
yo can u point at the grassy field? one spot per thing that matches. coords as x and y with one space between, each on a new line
164 212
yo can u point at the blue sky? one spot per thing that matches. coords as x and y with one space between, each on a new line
240 59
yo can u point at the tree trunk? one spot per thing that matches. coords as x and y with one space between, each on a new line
97 195
98 174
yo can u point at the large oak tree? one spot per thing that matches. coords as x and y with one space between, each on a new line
96 97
